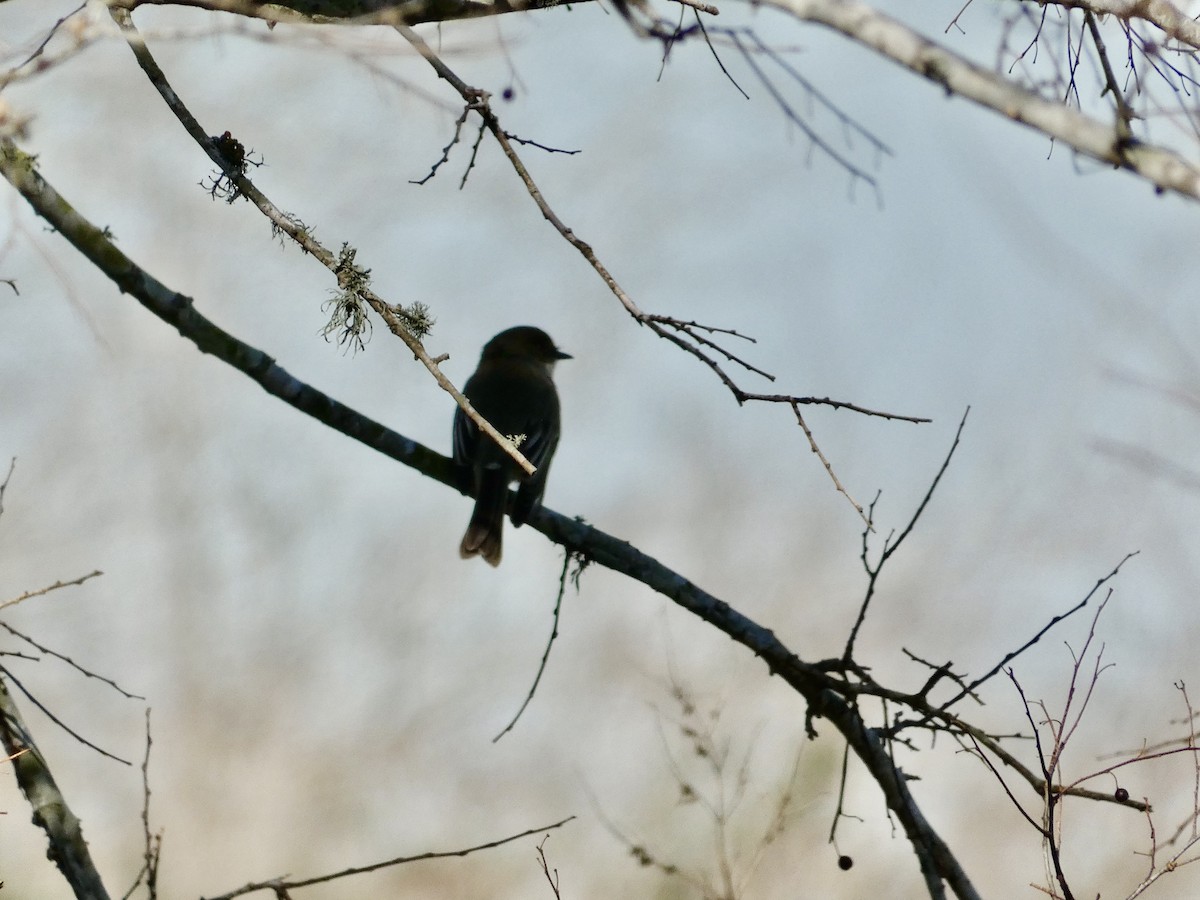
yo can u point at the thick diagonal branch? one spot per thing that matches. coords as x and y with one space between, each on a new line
68 849
938 864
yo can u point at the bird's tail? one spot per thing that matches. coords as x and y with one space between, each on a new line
486 529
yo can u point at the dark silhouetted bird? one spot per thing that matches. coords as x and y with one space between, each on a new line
513 389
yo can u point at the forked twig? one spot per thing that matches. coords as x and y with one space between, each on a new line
890 546
552 878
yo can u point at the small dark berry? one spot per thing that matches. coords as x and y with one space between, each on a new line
1121 795
508 93
845 862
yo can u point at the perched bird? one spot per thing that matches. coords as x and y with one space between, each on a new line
513 389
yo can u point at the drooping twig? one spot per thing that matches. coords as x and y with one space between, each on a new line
59 722
716 56
857 173
562 589
839 811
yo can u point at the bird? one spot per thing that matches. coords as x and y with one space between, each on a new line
513 388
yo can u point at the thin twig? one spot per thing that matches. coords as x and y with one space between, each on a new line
1003 784
720 63
545 866
1009 657
46 590
151 843
70 662
812 443
281 885
839 812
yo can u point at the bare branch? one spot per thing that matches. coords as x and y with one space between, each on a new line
954 73
68 849
354 12
281 885
545 867
1162 14
152 843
